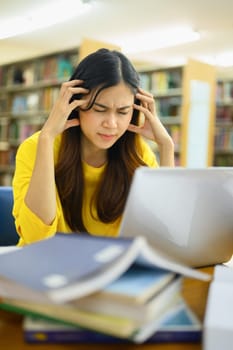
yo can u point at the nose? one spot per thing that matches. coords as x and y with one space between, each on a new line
110 121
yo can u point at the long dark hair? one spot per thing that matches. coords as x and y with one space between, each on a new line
99 70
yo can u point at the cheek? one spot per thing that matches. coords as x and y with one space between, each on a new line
123 124
127 120
85 119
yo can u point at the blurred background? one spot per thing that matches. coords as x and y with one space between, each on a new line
182 49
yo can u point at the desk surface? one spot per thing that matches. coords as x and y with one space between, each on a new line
194 291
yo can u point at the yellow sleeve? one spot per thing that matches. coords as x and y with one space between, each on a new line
29 226
148 155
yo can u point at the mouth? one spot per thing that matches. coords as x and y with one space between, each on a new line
107 137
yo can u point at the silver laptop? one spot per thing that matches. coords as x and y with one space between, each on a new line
186 213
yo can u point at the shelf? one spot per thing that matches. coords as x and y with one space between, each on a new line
170 120
7 169
224 123
168 93
29 114
31 87
223 151
225 103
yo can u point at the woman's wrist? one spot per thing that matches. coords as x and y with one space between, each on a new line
46 136
166 151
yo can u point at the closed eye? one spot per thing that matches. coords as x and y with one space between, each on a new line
124 110
99 110
123 113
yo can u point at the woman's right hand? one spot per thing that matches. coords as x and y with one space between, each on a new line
58 121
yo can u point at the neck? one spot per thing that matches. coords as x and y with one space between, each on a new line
94 157
94 161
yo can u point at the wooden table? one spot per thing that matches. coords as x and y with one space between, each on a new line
194 291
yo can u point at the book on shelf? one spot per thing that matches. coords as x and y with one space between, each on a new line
64 67
145 81
25 103
56 287
175 78
169 106
4 156
228 91
19 104
4 125
159 82
21 129
37 70
54 67
3 103
49 96
179 325
224 114
166 81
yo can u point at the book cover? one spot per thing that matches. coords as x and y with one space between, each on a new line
112 304
69 266
59 262
137 284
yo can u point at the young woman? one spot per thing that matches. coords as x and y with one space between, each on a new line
74 175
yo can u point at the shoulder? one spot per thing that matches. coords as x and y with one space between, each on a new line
29 145
148 155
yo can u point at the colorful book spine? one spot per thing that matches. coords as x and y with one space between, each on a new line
181 325
88 337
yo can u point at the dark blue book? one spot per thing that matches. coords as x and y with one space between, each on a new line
180 325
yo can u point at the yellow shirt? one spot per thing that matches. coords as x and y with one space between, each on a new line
28 225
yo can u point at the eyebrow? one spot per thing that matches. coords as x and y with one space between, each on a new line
103 106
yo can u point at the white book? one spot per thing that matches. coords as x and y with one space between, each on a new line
218 322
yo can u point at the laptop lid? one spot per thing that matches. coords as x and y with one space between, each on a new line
186 213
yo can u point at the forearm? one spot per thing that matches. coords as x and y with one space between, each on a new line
166 153
41 195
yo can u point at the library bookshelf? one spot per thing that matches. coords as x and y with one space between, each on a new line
185 100
166 87
28 90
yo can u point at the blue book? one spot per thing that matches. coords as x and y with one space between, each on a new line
70 266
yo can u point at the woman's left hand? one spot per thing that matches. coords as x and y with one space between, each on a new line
152 128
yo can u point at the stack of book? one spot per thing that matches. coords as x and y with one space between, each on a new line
116 288
179 325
